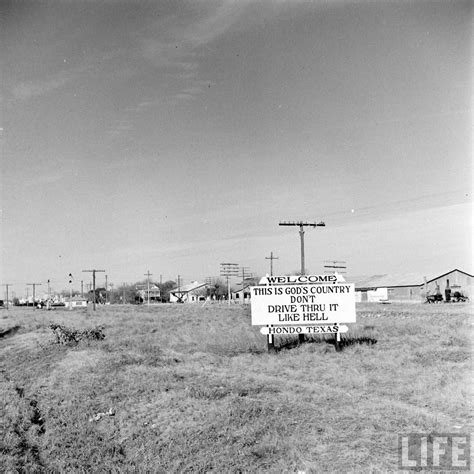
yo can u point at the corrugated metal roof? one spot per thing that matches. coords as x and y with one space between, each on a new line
194 285
394 279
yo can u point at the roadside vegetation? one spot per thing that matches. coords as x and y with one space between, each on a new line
176 388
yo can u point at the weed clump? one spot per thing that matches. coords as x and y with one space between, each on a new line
65 335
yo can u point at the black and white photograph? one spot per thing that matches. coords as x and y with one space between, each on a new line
236 236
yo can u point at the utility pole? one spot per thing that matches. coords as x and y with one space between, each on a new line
148 275
178 293
245 275
335 265
106 289
82 288
6 286
93 284
271 258
229 270
301 225
123 293
34 285
70 291
49 290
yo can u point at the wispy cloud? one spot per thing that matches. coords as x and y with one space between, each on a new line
28 89
171 45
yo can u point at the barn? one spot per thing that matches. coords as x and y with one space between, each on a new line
412 286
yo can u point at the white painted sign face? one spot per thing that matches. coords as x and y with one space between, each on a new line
300 305
336 328
300 279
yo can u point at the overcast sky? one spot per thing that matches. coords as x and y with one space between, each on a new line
171 136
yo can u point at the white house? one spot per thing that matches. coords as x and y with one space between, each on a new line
188 293
76 302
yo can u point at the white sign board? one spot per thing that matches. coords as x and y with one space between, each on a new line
300 279
303 304
336 328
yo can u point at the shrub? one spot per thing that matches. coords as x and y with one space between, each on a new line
65 335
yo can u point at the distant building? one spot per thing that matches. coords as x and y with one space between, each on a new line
242 293
411 286
154 294
76 302
188 293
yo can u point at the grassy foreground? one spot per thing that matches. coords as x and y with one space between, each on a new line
192 388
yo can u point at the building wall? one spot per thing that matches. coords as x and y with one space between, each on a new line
189 297
456 278
458 281
371 296
406 293
76 304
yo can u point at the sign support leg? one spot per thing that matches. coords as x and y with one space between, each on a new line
271 343
337 342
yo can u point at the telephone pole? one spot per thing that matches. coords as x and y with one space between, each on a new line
6 286
34 285
245 275
229 270
93 284
336 264
70 291
148 275
302 225
271 258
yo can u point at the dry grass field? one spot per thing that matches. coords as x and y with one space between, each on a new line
188 388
